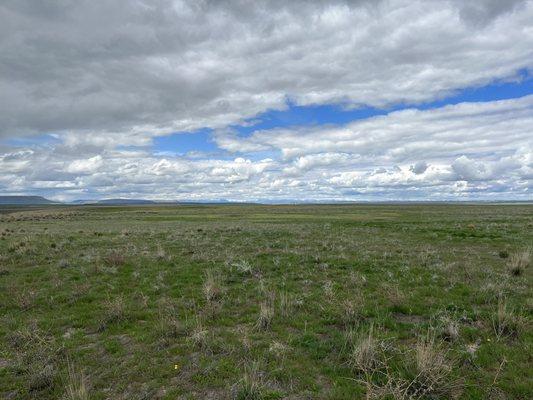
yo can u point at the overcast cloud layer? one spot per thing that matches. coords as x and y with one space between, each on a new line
86 86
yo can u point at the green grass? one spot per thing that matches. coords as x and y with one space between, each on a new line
266 302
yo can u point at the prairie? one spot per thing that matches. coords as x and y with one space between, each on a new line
266 302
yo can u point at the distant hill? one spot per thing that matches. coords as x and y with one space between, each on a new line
25 200
124 201
78 202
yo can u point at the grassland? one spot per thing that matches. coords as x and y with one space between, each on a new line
266 302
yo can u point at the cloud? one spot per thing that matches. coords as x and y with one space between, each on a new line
407 135
103 80
164 66
481 150
470 170
85 166
419 168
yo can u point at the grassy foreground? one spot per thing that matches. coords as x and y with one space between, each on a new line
267 302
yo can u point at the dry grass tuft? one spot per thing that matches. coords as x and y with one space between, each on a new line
450 329
243 267
41 377
278 349
394 295
36 355
212 286
506 323
115 259
114 312
251 386
76 385
432 367
169 325
25 299
428 375
161 254
266 315
286 304
365 355
519 262
199 334
352 311
432 372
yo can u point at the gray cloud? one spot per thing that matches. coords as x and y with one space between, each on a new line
419 168
157 67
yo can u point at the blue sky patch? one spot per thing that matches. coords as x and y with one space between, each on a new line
334 114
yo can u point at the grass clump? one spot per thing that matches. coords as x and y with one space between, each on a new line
266 315
37 357
114 312
519 262
251 386
365 355
286 303
198 335
432 370
389 370
212 287
505 322
449 329
115 259
76 385
169 325
243 267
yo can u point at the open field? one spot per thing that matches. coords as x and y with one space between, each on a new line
267 302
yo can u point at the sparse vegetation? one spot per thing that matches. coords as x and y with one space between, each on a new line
266 302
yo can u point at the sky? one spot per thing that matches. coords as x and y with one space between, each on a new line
267 100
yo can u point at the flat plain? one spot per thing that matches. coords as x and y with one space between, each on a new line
266 302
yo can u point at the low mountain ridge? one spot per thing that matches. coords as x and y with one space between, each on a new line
25 200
